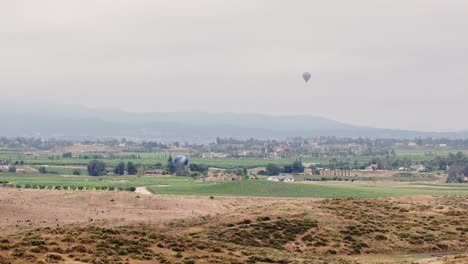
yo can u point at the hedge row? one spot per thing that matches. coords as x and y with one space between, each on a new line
72 188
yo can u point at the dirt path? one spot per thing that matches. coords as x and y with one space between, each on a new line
143 190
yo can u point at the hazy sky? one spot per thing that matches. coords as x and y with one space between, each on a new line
394 64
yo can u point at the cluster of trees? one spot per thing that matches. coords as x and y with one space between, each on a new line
121 168
36 143
42 144
203 169
96 168
273 169
458 167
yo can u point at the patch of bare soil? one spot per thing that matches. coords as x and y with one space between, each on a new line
143 190
20 209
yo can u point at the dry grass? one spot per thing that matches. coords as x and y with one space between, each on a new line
419 229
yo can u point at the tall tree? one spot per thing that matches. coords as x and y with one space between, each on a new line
131 168
96 168
170 167
272 169
120 168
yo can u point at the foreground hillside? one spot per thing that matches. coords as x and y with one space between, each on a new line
41 226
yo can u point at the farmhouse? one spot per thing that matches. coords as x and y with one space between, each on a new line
214 155
281 178
419 168
4 165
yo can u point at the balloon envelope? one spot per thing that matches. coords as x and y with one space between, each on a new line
181 160
306 76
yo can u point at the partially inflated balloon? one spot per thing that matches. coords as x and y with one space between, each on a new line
181 160
306 76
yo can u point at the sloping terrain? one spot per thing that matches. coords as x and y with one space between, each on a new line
417 229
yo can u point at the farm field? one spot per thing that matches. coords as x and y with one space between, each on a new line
56 159
254 188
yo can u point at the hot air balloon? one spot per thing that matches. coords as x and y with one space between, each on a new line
181 160
180 164
306 76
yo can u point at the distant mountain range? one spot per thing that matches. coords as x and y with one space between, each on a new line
83 123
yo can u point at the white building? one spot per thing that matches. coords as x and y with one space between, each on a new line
281 178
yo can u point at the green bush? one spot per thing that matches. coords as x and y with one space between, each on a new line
189 261
43 170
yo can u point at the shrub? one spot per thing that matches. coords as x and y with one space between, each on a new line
43 170
76 172
53 258
442 246
18 252
380 237
189 261
131 189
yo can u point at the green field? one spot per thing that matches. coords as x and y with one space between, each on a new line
255 188
56 159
